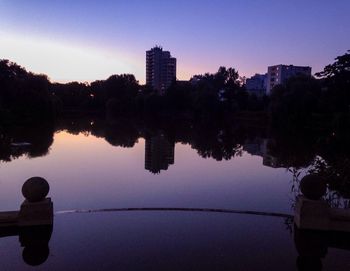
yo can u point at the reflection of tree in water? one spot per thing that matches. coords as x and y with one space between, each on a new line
299 151
5 148
322 152
121 133
292 150
75 126
216 142
39 137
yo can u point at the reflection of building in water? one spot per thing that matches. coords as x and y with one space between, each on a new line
159 153
260 147
271 161
256 146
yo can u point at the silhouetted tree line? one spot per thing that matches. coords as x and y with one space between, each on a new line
309 102
38 139
23 94
220 141
117 95
300 102
205 96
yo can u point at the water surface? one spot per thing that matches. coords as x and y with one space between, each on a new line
90 171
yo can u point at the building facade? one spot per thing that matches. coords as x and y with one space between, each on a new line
160 69
278 74
257 84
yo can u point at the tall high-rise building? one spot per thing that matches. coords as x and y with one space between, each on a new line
278 74
160 69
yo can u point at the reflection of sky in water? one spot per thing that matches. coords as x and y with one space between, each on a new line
164 241
167 241
88 172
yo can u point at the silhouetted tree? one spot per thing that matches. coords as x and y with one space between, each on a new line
23 95
293 103
336 97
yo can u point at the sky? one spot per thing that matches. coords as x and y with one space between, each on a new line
83 40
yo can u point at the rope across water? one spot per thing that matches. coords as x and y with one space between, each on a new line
169 209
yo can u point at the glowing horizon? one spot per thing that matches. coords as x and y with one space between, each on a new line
63 62
87 41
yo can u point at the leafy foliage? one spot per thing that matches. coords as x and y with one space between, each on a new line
23 95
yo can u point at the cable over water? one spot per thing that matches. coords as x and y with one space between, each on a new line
169 209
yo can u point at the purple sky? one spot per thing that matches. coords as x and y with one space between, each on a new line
88 40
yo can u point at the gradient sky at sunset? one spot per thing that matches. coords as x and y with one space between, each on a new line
86 40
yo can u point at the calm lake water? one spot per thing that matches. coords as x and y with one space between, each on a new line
89 172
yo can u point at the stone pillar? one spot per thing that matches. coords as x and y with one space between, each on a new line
36 208
36 213
311 214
